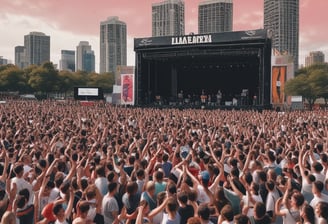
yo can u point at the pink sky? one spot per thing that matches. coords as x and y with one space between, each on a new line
71 21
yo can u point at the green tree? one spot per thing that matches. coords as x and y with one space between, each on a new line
44 78
105 81
311 84
12 79
80 78
320 78
305 70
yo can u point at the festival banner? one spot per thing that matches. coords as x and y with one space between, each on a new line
127 89
278 84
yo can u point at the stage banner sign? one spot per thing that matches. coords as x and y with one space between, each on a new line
278 84
200 39
127 91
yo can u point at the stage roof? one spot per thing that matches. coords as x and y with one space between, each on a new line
260 35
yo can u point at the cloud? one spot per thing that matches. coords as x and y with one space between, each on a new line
70 21
245 21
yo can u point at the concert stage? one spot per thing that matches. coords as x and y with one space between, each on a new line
179 70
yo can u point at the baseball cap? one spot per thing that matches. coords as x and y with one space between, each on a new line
205 175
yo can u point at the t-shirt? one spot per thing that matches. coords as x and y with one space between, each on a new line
291 217
158 218
319 177
54 193
159 187
109 205
264 220
271 200
131 202
234 199
202 196
317 199
256 198
167 166
102 185
166 219
140 185
59 222
151 201
23 184
128 170
185 213
26 215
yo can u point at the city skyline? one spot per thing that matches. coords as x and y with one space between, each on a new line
72 26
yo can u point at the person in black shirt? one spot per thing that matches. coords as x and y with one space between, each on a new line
260 216
25 211
186 211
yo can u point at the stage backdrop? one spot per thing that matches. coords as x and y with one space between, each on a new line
127 89
278 84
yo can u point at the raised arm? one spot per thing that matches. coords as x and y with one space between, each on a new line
69 208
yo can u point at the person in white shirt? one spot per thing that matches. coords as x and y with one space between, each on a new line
321 213
272 197
292 205
101 180
317 188
18 183
316 169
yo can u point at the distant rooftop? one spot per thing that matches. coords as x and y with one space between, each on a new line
207 2
112 20
35 33
167 2
84 43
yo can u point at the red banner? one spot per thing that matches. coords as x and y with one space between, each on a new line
127 91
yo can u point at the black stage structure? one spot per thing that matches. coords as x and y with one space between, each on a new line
181 70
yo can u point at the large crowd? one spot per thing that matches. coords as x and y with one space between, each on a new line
66 163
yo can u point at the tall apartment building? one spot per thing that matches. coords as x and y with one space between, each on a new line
215 16
67 61
85 57
37 46
20 56
315 57
282 18
168 18
113 44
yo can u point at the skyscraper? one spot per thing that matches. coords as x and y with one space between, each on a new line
315 57
168 18
20 56
85 57
67 61
282 18
113 41
215 16
37 47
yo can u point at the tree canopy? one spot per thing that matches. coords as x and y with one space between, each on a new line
47 79
310 82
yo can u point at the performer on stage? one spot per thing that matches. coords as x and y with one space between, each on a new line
203 97
219 97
